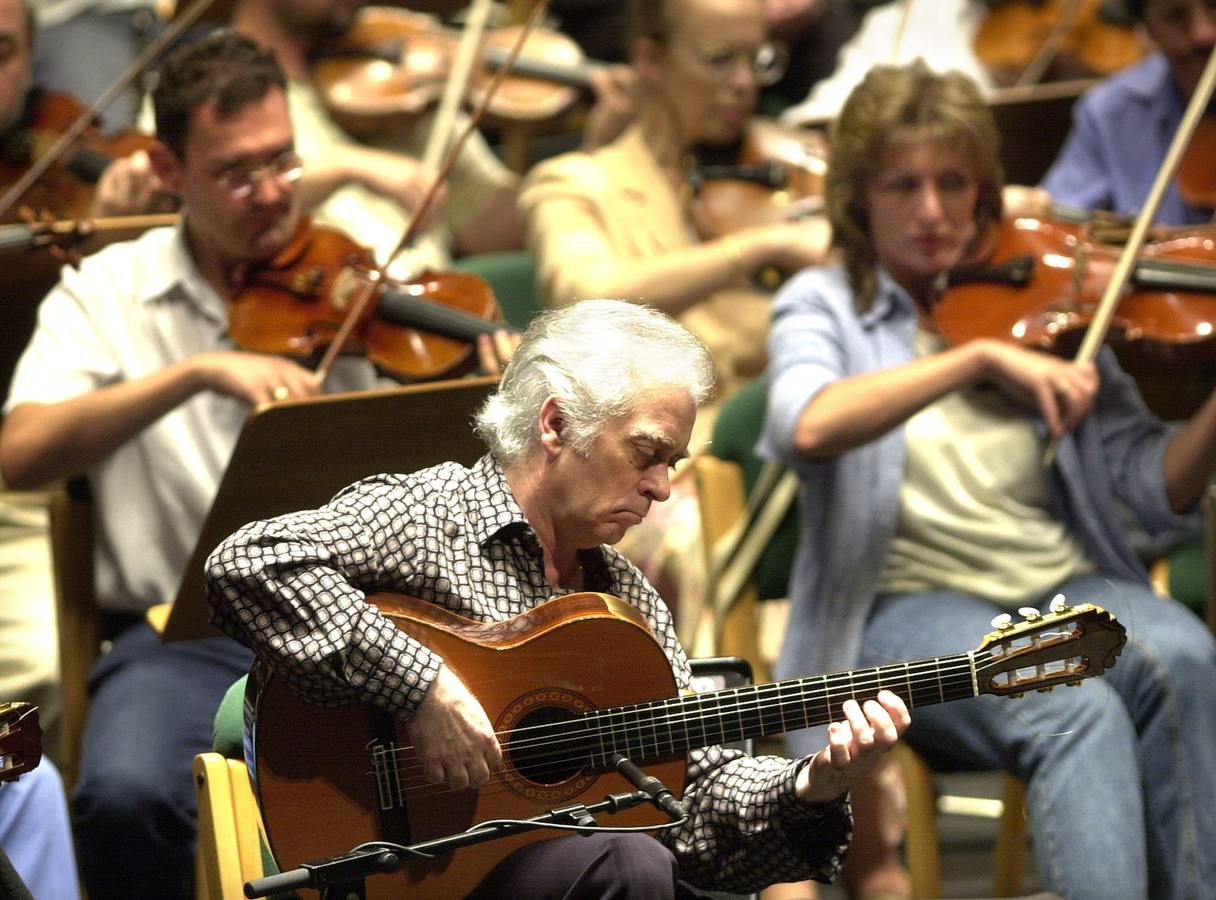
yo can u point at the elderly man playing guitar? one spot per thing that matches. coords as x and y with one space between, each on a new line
593 411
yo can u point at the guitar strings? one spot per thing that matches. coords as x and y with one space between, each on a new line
581 730
585 726
747 699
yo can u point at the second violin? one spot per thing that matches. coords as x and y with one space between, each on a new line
66 190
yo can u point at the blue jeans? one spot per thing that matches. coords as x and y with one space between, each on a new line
1121 772
151 709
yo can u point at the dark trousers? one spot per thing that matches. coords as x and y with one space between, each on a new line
616 866
152 707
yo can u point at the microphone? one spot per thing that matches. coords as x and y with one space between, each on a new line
660 795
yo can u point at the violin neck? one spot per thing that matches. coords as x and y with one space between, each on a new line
530 67
427 315
1168 275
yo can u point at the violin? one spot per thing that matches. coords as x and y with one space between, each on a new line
1039 285
391 66
774 175
1027 41
1197 170
66 190
416 330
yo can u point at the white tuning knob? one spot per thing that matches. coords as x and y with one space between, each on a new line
1003 621
1029 613
1058 603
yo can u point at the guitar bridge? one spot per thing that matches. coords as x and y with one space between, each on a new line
387 774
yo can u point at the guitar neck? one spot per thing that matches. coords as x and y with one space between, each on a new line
668 727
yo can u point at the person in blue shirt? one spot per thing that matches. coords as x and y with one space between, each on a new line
926 509
1122 127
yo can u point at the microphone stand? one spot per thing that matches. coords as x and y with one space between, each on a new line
341 877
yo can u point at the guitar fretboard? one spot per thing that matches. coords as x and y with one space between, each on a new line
668 727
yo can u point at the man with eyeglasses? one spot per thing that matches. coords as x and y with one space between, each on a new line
618 222
132 379
370 186
1122 128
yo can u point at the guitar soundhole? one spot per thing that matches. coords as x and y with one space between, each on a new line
547 757
536 747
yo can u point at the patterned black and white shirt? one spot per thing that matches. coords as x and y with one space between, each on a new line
293 589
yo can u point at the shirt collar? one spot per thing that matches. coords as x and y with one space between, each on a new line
494 514
175 274
1151 80
890 302
491 505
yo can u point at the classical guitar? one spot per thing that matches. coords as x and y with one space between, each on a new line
569 684
20 740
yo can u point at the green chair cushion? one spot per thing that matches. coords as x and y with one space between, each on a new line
734 438
512 275
1188 574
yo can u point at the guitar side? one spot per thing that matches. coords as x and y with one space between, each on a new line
329 779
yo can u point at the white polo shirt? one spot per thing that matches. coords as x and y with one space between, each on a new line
130 310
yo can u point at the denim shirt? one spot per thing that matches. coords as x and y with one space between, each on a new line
1121 130
849 504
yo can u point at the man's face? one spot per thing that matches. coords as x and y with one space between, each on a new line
1185 32
15 64
703 72
602 494
220 156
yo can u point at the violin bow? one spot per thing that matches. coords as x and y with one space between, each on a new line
86 118
369 287
1100 324
1051 46
458 79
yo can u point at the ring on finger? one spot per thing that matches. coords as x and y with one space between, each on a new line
281 392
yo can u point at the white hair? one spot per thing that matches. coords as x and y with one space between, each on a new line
600 359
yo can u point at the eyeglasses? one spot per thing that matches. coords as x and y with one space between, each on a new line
240 181
767 62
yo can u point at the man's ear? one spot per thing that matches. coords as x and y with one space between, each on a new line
166 166
552 425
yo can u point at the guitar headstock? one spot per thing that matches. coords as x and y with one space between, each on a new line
20 740
1063 646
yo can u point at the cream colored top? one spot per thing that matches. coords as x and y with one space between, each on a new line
592 214
975 505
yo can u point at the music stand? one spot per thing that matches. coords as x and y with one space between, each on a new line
298 453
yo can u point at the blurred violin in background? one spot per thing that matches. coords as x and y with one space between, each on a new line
391 66
1028 41
775 174
415 330
1197 170
66 190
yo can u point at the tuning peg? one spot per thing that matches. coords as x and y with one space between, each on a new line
1046 690
1003 622
1017 696
1058 604
1076 683
1029 613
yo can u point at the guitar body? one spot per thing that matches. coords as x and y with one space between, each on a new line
329 779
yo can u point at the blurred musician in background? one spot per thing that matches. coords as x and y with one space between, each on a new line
370 191
617 222
127 186
132 378
1122 128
